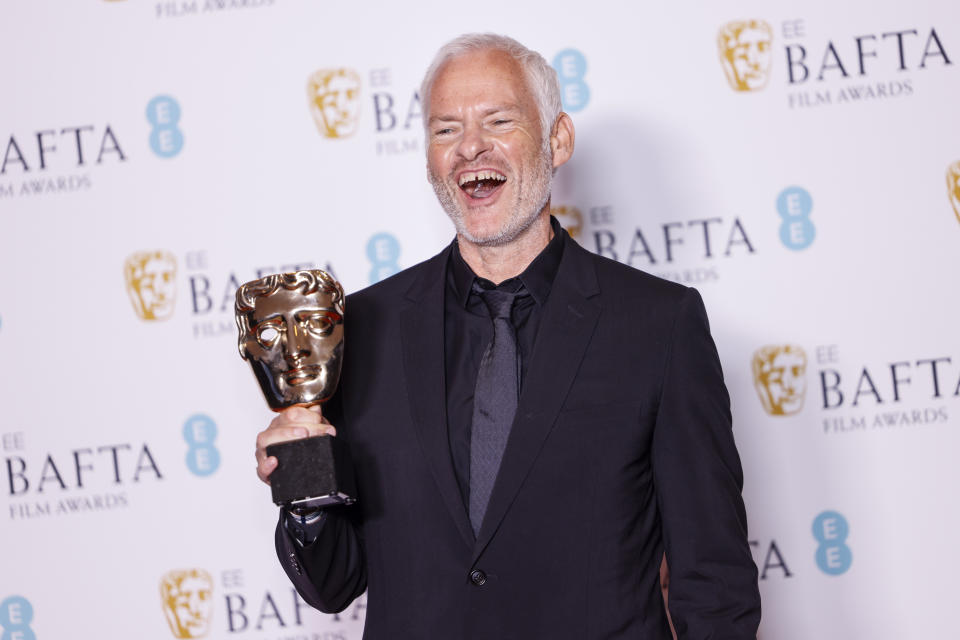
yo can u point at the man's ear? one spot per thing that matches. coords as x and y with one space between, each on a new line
561 139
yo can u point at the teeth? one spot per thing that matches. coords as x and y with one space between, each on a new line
473 176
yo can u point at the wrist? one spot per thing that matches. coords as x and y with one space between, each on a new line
304 515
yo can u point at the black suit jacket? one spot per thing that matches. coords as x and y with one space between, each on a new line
621 449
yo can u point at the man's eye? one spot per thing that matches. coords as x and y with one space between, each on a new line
443 132
501 122
267 335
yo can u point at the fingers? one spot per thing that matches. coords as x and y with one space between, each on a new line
265 467
274 434
290 424
300 414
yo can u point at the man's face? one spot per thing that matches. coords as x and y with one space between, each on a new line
295 346
487 158
335 99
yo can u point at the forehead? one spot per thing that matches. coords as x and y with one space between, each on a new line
283 300
480 78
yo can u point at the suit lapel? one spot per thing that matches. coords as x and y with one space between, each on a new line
569 318
423 363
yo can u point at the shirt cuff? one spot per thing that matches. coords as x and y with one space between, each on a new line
304 528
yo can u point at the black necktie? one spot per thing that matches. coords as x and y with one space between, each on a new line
494 401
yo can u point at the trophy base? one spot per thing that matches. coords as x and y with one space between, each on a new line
312 472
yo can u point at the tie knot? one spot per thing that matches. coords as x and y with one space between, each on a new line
498 301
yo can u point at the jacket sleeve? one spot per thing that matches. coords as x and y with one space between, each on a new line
713 579
330 571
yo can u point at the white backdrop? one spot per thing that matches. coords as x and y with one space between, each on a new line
182 128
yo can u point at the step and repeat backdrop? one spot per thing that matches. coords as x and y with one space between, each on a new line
797 161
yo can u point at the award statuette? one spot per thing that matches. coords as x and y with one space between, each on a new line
291 333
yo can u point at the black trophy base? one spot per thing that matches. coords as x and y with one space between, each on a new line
312 472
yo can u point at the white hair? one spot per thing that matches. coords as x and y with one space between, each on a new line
541 77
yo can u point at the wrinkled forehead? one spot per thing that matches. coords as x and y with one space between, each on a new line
480 76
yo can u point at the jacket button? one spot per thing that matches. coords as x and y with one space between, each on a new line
478 577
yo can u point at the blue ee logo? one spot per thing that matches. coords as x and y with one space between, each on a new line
571 66
383 250
16 614
833 555
200 431
166 139
794 205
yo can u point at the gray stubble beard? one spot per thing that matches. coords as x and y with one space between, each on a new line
519 221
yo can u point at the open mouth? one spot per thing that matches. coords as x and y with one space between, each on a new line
301 375
481 184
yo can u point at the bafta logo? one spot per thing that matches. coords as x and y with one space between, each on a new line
780 376
334 98
569 218
953 187
187 597
151 282
745 53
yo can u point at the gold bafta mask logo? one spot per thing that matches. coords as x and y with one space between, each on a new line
745 53
151 282
187 597
780 376
953 187
334 98
569 218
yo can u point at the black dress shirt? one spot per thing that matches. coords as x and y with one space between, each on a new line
468 330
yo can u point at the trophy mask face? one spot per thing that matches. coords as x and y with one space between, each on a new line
780 378
295 345
334 101
151 281
187 602
745 53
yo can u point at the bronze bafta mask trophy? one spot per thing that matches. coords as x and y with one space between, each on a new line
291 333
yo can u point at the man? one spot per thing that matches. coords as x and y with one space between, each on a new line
522 467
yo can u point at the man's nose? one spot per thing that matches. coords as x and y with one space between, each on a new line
297 343
474 143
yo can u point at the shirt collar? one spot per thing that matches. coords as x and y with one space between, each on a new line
537 277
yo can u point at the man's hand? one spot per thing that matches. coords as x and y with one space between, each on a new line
291 424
